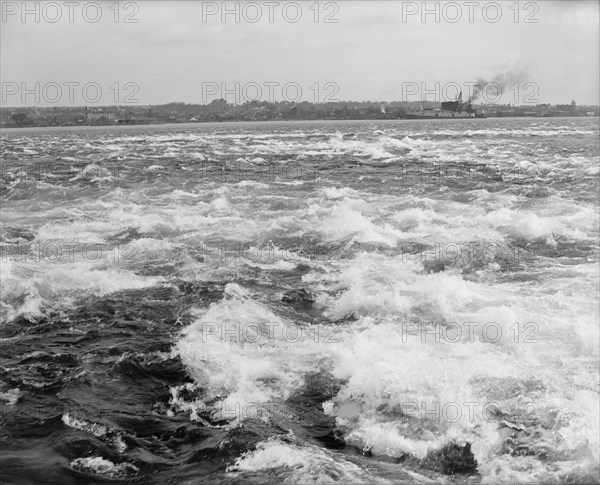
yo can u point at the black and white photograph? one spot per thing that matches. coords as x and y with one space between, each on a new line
299 242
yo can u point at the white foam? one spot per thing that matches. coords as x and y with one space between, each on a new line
28 287
102 466
301 464
237 351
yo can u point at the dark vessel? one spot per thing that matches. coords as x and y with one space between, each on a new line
449 109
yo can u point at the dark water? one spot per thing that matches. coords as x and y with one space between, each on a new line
332 302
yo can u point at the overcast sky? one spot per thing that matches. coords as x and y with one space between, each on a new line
365 50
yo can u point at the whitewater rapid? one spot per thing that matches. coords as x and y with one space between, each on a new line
358 295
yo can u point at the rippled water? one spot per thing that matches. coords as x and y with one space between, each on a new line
331 302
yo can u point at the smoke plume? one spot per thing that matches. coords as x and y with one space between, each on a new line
499 83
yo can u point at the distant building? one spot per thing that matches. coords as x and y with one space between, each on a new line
21 119
103 121
93 117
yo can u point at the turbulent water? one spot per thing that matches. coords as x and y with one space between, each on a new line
311 302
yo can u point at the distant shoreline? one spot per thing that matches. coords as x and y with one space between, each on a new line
225 122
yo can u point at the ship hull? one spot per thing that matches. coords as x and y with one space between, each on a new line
449 110
430 117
